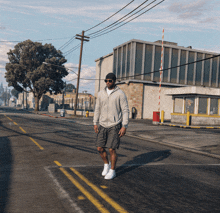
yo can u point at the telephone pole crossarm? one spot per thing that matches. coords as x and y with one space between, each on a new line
82 36
83 39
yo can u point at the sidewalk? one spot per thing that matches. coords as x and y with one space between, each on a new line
201 140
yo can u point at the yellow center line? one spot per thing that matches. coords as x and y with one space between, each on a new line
100 192
25 133
22 130
81 198
57 163
98 205
9 118
104 187
37 143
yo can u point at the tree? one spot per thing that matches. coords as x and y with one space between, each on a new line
36 67
14 92
70 87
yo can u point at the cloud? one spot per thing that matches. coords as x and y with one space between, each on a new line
4 48
185 16
192 9
87 77
209 20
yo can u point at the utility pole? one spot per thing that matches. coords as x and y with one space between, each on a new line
82 38
6 96
64 91
26 98
9 96
23 101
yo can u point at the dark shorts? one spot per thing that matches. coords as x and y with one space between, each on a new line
108 137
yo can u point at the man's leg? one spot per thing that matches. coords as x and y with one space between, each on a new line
104 157
113 158
111 174
103 154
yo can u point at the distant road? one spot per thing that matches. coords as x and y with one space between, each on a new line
51 165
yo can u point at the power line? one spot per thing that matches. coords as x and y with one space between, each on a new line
205 59
76 47
129 20
110 16
68 68
114 24
118 19
71 50
71 40
67 43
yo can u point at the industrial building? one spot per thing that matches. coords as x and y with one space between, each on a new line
186 85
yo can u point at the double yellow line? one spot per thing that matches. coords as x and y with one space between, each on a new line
90 197
25 133
87 194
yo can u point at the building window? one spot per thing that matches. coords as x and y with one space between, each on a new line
214 106
128 60
190 69
119 63
189 105
115 61
214 71
174 61
206 71
138 60
182 68
148 62
178 105
203 105
219 73
123 62
157 62
199 69
166 64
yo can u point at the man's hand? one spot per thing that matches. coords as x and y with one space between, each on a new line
122 132
96 129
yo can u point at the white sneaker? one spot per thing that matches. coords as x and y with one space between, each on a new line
111 174
106 169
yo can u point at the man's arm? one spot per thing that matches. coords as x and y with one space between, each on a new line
125 114
96 114
125 110
122 132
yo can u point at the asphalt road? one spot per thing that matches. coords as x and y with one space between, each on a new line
51 165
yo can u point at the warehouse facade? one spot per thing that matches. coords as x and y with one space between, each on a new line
136 64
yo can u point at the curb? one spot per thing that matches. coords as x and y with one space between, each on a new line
56 116
176 146
190 127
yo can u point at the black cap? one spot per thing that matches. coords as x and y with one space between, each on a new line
111 76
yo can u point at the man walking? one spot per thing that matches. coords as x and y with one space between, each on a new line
112 113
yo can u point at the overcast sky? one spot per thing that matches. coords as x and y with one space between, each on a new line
193 23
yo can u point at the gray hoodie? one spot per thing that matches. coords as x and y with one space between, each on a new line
111 110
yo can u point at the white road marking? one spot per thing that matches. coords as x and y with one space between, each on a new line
62 193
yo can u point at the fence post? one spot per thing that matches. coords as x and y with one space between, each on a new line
162 116
187 118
